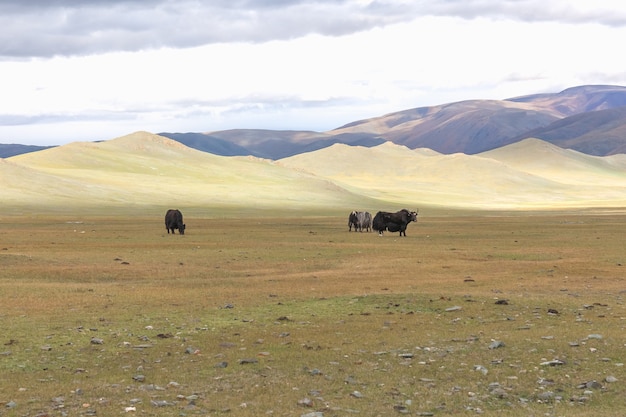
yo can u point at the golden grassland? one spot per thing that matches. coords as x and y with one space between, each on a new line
146 170
108 314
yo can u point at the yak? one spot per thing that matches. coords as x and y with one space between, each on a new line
360 220
393 222
174 220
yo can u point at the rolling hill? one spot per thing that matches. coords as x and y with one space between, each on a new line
147 170
147 173
556 177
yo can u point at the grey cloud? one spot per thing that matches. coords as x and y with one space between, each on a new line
194 108
72 27
45 28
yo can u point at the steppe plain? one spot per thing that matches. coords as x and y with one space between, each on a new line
505 298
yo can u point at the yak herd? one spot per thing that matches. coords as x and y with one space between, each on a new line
382 221
359 220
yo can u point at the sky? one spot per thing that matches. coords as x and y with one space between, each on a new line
86 70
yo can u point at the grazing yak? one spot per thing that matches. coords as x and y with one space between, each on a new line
360 220
173 221
394 222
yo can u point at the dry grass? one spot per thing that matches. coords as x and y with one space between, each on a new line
353 322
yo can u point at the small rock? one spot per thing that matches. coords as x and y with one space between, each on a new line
545 396
222 364
610 379
11 404
481 369
454 308
139 378
161 403
305 402
143 346
356 394
581 399
248 361
595 336
313 414
350 380
96 341
499 392
496 344
590 385
554 362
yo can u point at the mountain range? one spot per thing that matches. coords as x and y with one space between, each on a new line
590 119
547 151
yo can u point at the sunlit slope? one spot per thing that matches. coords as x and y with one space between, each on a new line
541 158
413 177
147 169
24 186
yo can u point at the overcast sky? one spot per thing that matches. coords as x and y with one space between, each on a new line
74 70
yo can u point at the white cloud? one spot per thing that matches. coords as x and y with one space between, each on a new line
372 58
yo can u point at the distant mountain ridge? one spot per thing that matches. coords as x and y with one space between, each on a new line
589 119
12 149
